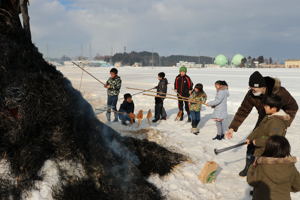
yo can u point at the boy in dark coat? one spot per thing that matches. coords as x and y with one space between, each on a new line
183 86
162 89
274 123
274 175
126 108
260 87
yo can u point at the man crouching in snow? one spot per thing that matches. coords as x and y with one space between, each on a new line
260 87
274 123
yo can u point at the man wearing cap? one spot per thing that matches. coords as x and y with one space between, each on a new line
183 86
260 87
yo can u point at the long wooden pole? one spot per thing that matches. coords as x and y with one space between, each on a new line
162 93
88 73
139 92
178 99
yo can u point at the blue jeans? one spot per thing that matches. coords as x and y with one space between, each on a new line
112 105
195 116
123 116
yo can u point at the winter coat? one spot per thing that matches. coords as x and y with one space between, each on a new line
127 107
274 178
162 87
290 105
220 104
183 85
275 124
199 97
115 86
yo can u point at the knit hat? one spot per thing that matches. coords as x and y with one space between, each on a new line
183 69
256 80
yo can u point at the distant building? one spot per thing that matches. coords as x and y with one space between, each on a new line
292 64
264 65
189 64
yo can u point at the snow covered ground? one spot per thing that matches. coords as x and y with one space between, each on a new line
183 183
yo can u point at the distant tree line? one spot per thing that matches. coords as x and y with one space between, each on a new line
153 59
250 62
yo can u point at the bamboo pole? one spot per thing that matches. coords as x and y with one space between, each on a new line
139 93
77 65
173 98
173 95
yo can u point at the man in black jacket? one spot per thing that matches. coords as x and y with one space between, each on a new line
183 86
162 88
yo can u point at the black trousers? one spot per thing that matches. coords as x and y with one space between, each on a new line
186 105
160 111
251 146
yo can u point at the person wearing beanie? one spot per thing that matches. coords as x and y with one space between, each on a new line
126 108
113 85
183 86
162 89
198 97
260 88
219 104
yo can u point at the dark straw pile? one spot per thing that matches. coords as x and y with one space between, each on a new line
42 117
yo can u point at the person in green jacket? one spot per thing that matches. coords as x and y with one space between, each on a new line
198 97
113 85
274 175
275 122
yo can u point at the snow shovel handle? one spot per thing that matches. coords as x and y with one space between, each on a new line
218 151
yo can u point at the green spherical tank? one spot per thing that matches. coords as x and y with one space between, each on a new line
221 60
237 60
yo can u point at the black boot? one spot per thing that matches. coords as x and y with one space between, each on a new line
189 119
155 120
219 137
249 161
181 118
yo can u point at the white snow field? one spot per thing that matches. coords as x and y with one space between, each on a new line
183 182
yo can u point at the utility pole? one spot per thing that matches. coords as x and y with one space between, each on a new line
152 59
47 50
81 49
90 51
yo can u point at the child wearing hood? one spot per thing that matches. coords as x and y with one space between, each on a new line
220 108
274 175
275 122
198 97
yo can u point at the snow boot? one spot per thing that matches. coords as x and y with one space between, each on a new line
195 131
124 123
116 117
189 119
155 120
218 137
181 118
249 161
108 116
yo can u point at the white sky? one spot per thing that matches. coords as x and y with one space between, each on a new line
190 27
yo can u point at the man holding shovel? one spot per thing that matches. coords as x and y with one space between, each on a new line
260 87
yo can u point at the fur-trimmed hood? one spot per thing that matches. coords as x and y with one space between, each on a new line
272 161
278 170
273 84
281 115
